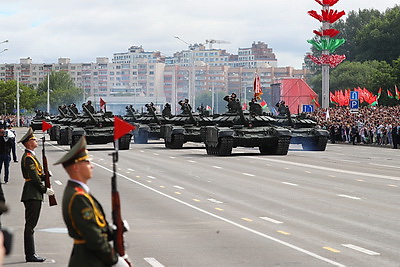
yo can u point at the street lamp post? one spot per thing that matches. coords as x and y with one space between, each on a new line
18 120
192 74
5 108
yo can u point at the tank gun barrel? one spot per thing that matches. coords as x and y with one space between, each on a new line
131 112
72 113
89 113
150 109
61 112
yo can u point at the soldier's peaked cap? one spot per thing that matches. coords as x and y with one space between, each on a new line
77 153
28 136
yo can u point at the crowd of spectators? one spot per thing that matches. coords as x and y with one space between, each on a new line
378 125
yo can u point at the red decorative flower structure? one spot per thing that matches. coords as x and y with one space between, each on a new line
326 43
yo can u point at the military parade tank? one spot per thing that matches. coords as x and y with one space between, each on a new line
153 121
62 126
184 127
238 128
98 129
305 131
141 132
36 122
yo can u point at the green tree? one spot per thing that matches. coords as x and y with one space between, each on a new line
8 95
379 40
349 28
62 91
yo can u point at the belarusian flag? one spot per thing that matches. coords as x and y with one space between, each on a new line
263 104
379 92
390 95
208 108
397 93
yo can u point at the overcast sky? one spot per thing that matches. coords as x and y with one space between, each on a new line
82 30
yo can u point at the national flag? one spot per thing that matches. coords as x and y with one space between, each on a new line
390 95
257 87
263 104
121 128
46 126
397 92
102 102
314 101
244 107
379 92
208 108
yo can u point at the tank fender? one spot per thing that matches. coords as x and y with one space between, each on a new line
78 131
282 131
321 132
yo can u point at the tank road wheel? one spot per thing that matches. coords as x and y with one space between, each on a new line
224 147
124 142
75 139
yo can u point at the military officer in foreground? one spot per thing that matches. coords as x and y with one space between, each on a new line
32 193
84 215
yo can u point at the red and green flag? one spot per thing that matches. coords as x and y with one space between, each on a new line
390 95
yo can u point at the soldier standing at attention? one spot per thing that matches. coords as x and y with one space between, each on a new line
32 193
84 216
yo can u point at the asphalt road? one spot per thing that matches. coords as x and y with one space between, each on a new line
340 207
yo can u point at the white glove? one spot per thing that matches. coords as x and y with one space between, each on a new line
50 192
121 262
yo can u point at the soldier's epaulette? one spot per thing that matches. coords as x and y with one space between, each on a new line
79 190
28 154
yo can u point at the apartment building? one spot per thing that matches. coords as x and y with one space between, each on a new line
138 76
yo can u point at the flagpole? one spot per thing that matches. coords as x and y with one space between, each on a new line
48 94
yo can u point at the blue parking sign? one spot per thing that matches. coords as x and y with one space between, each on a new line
354 104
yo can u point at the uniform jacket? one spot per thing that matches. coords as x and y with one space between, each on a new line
87 225
33 174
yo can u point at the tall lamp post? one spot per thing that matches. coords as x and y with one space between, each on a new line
48 94
192 76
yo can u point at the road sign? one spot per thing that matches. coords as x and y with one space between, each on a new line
308 108
353 95
354 104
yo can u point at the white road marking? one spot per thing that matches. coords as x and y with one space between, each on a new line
347 196
363 250
328 169
271 220
382 165
179 187
245 228
248 174
172 157
58 182
131 170
215 201
292 184
153 262
217 167
151 177
192 161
